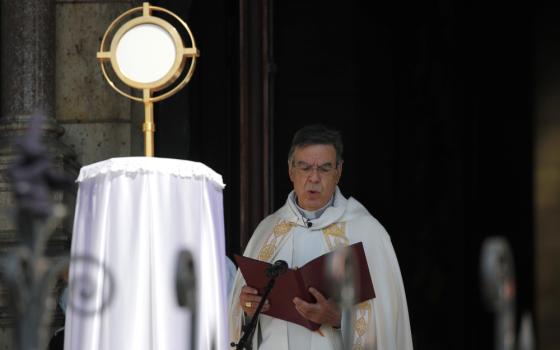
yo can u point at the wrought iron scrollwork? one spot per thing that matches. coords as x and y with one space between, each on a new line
28 274
91 288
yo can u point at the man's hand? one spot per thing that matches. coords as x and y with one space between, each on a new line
249 300
322 312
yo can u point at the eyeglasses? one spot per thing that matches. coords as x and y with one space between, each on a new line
306 169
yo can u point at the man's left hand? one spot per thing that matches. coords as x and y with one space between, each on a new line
322 312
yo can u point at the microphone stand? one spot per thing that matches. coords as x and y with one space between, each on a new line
341 272
347 300
186 290
245 342
498 288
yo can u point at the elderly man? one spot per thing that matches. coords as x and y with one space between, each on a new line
316 219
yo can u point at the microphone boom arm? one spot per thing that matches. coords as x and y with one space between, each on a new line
272 273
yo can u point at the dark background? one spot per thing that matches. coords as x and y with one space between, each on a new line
435 103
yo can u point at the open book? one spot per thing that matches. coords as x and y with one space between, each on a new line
296 282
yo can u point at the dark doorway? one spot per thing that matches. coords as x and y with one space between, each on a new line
434 100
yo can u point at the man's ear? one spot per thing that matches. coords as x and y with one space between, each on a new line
339 170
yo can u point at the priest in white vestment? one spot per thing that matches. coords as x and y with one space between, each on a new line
316 219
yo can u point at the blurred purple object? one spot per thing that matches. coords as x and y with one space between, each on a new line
32 175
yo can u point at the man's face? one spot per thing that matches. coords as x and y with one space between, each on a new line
314 173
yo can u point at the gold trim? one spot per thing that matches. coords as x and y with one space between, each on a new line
104 55
191 52
182 56
282 228
362 318
336 229
184 53
279 231
146 9
335 235
360 326
237 326
149 126
178 64
266 252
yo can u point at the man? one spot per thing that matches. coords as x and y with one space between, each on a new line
316 219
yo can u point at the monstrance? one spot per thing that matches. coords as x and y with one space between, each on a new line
146 52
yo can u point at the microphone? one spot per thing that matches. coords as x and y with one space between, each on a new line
279 267
309 224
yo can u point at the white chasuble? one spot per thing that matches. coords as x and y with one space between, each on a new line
380 323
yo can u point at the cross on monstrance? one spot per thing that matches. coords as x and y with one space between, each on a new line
147 52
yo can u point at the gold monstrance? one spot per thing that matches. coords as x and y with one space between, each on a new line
147 53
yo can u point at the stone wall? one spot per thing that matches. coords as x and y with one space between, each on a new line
87 120
99 123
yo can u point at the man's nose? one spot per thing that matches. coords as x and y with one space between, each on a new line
314 175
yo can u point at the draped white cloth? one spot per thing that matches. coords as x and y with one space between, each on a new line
133 216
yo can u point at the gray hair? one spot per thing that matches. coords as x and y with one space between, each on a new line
317 134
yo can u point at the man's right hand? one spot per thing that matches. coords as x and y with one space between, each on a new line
249 300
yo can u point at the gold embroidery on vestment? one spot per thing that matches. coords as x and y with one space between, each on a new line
266 252
337 229
282 228
335 236
360 326
279 231
362 318
237 326
364 306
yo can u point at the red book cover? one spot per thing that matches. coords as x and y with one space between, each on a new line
296 282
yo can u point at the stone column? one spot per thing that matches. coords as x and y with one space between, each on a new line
28 86
27 64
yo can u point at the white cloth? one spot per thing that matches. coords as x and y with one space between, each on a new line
231 269
381 323
133 217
